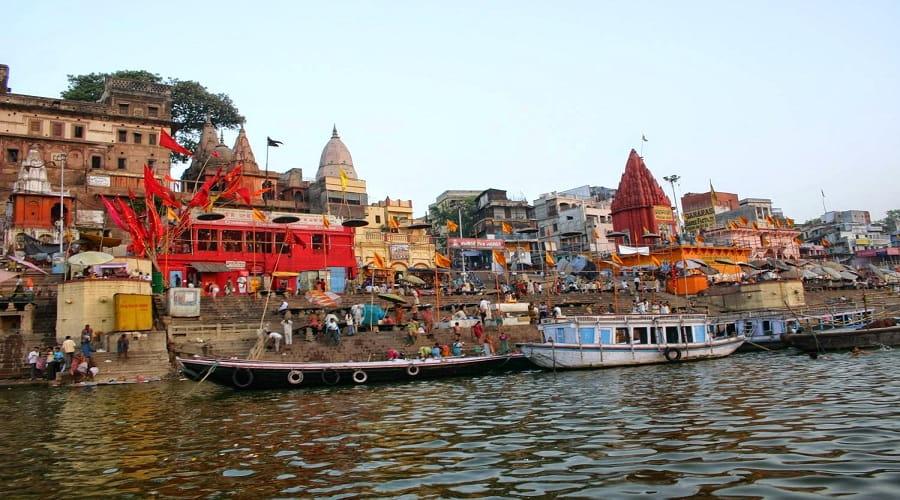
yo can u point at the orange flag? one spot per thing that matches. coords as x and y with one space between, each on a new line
770 220
258 215
655 261
378 260
756 226
506 228
617 259
549 259
596 234
798 241
451 226
700 239
743 220
325 221
826 243
393 222
499 258
441 260
673 239
789 222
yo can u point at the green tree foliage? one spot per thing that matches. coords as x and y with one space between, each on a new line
438 216
891 221
191 102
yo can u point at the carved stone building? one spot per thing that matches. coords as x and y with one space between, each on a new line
328 194
55 151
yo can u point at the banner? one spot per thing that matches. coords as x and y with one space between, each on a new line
627 250
475 243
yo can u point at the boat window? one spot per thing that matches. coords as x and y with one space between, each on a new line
687 334
640 335
671 334
656 333
767 326
621 335
231 241
586 335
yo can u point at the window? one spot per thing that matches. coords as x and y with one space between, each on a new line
377 219
12 155
123 108
56 129
151 139
137 137
152 111
208 239
123 162
123 136
96 161
78 131
232 241
36 126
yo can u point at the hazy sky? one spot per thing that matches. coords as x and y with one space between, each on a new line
778 100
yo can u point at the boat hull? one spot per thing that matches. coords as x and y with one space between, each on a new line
246 374
839 339
589 356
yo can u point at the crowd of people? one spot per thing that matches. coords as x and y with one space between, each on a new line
76 359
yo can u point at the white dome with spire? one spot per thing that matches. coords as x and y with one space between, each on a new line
335 157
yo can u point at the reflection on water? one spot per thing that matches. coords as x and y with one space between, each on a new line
756 425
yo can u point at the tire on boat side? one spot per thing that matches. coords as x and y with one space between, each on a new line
295 377
412 370
239 384
672 354
325 377
360 377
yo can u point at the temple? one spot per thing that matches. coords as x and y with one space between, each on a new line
641 209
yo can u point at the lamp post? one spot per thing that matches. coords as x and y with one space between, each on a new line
672 179
61 158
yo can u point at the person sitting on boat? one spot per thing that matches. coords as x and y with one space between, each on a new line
445 351
392 354
488 346
436 351
557 312
857 351
424 352
456 348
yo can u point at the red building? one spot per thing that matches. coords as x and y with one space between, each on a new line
241 249
640 206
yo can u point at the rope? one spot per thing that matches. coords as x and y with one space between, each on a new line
208 372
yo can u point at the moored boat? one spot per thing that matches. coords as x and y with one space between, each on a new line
878 334
631 339
763 329
249 374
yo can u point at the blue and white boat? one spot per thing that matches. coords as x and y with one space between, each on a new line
580 342
764 329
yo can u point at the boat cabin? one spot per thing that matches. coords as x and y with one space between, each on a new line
636 329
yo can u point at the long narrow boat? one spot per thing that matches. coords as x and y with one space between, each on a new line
763 328
631 339
879 334
246 374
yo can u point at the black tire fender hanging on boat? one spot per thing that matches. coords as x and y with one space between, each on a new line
239 384
337 376
295 377
360 377
672 354
412 370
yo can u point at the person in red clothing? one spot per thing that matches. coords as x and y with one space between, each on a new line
477 331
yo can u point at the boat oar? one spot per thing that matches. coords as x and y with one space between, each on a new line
760 346
208 372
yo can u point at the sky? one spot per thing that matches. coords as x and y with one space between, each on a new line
765 99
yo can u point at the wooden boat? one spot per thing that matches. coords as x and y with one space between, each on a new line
630 339
878 334
247 374
763 329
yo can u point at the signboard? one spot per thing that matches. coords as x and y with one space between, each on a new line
235 264
133 312
475 244
662 213
400 252
98 181
313 222
184 302
699 219
91 218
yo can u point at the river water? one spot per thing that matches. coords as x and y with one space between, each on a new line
752 425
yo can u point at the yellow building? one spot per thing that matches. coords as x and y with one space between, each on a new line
392 235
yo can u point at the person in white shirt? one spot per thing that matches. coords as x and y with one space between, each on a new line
32 361
288 331
275 338
351 327
557 312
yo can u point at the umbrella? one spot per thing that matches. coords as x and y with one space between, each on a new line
25 263
7 275
323 299
85 259
791 274
392 297
747 265
727 262
415 280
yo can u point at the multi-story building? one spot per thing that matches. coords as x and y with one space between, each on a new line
754 224
844 234
57 156
575 220
392 234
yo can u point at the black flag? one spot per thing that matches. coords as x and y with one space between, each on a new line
273 143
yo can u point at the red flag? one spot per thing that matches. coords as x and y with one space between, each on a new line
157 229
152 187
214 153
113 213
166 141
289 238
244 193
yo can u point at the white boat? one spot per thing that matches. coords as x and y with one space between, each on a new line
579 342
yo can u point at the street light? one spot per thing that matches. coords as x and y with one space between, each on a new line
672 179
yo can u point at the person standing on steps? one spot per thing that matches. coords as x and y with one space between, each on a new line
122 348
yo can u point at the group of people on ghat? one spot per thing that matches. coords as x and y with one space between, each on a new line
331 326
77 359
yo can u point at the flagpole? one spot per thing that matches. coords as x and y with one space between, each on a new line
823 202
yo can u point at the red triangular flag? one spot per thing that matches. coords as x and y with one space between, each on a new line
166 141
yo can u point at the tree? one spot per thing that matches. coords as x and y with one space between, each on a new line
891 221
191 103
439 215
